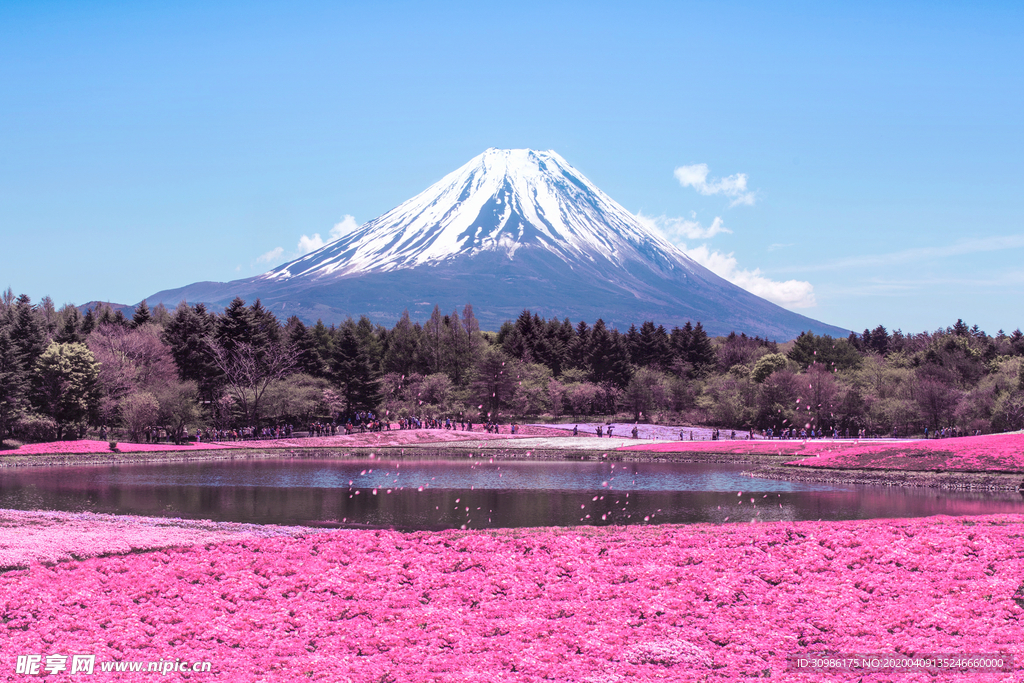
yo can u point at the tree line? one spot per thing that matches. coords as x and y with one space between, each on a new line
63 373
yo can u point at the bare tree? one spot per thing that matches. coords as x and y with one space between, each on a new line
249 371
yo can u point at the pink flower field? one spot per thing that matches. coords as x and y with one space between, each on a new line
677 603
989 453
88 446
395 437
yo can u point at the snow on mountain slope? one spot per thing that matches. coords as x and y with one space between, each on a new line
501 201
511 229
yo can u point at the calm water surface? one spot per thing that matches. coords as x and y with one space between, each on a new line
438 494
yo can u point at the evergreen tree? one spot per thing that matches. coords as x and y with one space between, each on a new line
701 354
303 343
609 357
324 338
187 334
579 347
142 315
369 336
650 346
831 354
69 331
88 323
13 385
236 326
680 341
266 329
351 372
403 352
26 333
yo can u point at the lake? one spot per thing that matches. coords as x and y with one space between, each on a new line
477 493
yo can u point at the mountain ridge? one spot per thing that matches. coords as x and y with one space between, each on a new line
509 230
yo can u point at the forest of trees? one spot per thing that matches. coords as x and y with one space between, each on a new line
63 374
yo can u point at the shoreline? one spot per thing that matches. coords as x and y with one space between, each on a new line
765 465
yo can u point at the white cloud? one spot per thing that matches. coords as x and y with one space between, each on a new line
683 228
788 294
307 244
734 186
344 227
271 255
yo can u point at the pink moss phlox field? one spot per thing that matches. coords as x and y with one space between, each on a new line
89 446
988 453
676 603
395 437
47 537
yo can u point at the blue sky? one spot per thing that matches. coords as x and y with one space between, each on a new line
145 146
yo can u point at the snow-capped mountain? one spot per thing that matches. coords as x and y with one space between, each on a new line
511 229
501 201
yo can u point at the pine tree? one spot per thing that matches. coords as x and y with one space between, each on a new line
13 385
142 315
69 331
307 356
26 334
403 348
701 354
351 372
235 326
88 323
609 357
188 333
579 347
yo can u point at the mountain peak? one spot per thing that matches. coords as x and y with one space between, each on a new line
508 230
501 201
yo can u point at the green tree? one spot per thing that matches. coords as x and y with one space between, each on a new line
187 334
403 347
351 371
26 333
766 365
609 357
13 385
647 390
831 354
69 328
67 389
142 315
179 407
495 381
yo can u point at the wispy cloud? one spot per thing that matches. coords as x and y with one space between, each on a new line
789 294
308 244
683 228
917 254
734 186
271 255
